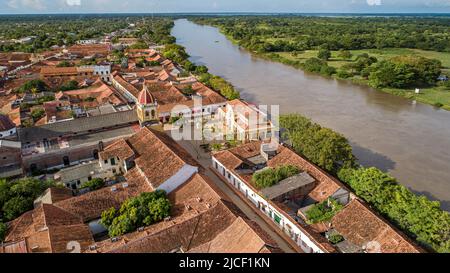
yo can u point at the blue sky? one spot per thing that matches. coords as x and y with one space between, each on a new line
103 6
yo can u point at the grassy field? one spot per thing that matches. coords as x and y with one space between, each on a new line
434 96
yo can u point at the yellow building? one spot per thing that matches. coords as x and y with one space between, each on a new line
147 107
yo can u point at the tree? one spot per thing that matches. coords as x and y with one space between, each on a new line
143 210
404 72
318 66
201 69
64 63
3 230
416 215
16 197
38 85
345 54
270 177
70 85
324 147
15 206
324 54
37 114
94 184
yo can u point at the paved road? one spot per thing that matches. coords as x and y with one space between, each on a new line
205 160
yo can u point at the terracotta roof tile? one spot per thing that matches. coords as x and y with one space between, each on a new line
5 123
360 225
90 206
49 229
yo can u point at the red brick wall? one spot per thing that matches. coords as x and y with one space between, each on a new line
9 157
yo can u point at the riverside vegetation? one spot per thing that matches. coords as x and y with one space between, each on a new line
393 54
416 215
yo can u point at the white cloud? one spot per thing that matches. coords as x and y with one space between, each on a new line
27 4
73 3
374 2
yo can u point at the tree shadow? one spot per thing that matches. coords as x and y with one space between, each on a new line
445 204
369 158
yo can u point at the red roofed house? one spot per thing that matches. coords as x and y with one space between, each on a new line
47 229
362 229
7 127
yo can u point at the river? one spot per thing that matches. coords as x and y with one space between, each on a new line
409 140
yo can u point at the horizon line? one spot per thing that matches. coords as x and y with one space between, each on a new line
228 12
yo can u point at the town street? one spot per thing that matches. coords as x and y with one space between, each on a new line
205 160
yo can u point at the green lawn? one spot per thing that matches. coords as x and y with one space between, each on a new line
431 96
382 54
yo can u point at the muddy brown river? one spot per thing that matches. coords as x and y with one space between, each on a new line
409 140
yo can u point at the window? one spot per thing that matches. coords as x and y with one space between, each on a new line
106 161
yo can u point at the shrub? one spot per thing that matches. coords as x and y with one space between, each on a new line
324 211
343 74
216 146
335 238
174 119
37 114
271 176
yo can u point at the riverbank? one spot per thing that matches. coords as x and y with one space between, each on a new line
389 132
437 96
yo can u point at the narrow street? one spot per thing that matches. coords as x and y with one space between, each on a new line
205 160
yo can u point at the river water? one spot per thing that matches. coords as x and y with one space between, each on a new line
410 140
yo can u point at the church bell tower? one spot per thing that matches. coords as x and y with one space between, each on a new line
147 111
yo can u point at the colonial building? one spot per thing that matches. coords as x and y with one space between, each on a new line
147 108
10 159
202 219
67 143
7 128
102 71
245 121
285 203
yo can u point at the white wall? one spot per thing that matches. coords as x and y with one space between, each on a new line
302 239
178 179
8 133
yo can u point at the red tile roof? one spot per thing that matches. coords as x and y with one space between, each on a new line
5 123
363 227
145 97
206 226
90 206
48 229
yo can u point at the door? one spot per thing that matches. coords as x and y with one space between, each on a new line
66 161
